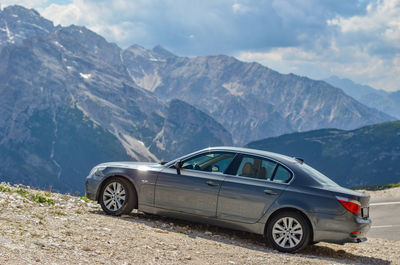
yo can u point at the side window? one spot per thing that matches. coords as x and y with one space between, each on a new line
255 167
282 175
216 162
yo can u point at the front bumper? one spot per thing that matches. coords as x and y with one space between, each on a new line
92 186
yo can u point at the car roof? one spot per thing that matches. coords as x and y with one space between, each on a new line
279 157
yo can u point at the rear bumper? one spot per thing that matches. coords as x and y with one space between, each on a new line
347 228
357 240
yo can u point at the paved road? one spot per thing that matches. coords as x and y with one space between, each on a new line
385 215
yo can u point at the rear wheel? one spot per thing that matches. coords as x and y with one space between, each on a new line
288 232
117 196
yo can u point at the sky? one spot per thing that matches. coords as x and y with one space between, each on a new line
355 39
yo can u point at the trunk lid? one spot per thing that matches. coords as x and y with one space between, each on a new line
355 196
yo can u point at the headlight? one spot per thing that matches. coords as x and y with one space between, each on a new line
95 169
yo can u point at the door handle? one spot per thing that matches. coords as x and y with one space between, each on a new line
270 192
212 183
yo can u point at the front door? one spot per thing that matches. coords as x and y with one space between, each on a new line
195 190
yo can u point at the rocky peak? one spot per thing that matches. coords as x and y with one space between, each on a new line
162 53
18 23
138 51
84 42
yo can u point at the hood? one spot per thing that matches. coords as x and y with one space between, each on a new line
132 165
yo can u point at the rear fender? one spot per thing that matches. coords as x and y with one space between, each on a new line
290 203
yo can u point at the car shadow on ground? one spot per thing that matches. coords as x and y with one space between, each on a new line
238 238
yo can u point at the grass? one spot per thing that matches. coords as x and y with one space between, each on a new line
5 189
35 197
85 199
38 217
60 213
22 192
378 187
40 199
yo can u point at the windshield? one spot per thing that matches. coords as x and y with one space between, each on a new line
318 176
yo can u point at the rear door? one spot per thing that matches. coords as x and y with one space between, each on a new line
195 190
247 193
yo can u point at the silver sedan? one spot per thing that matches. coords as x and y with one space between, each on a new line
282 198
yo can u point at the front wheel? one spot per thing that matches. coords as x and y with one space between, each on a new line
288 232
117 196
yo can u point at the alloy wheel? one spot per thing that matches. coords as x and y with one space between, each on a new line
114 196
287 232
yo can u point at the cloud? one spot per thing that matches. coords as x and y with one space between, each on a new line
380 26
219 26
364 47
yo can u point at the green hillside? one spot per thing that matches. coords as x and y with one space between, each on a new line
366 156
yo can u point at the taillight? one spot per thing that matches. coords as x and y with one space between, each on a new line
351 205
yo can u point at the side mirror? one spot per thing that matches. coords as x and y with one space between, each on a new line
178 165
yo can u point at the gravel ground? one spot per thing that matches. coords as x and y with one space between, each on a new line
39 227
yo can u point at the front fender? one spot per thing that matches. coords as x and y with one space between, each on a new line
142 180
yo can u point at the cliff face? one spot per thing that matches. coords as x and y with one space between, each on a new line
187 129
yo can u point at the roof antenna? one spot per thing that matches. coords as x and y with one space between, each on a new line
299 159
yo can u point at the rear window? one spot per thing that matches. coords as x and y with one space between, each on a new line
318 176
282 175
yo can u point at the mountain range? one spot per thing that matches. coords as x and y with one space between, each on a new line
69 100
388 102
250 100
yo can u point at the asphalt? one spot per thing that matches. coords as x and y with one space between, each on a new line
385 215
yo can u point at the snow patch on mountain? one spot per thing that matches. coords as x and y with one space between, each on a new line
149 82
85 76
134 147
9 34
234 88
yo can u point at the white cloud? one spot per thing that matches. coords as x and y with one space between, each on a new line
382 19
145 22
104 18
348 62
239 8
64 15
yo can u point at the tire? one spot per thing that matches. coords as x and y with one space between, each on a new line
117 196
288 232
